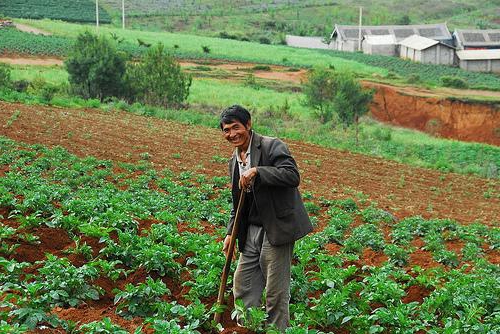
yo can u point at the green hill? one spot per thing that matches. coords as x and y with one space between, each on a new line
66 10
269 21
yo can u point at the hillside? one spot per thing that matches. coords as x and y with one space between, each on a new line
262 21
268 21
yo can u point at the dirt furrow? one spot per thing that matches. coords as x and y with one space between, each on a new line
331 173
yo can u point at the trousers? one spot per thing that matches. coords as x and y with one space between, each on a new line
262 265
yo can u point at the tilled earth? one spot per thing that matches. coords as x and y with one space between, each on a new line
120 136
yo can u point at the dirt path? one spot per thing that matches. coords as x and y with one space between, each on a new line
31 61
331 173
30 29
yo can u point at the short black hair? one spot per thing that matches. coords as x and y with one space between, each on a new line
234 113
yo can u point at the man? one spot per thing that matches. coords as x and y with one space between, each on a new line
273 215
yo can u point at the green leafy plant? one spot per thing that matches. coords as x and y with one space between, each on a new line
62 284
142 299
105 326
252 318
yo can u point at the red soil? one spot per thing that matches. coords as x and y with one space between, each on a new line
438 116
416 293
121 136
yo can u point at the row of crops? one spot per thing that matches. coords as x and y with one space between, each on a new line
121 220
66 10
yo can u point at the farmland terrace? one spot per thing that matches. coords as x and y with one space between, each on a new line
122 136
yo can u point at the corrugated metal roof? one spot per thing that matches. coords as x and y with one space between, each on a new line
306 42
438 31
476 37
418 42
478 54
380 40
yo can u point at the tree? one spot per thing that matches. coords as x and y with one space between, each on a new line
319 91
351 101
331 92
96 68
158 79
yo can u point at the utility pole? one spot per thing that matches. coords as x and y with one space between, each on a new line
123 14
97 14
360 23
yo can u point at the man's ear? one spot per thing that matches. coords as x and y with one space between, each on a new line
249 125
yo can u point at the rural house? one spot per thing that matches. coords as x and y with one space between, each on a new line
346 38
470 39
479 60
427 51
385 45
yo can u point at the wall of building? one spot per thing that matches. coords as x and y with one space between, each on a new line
481 65
385 50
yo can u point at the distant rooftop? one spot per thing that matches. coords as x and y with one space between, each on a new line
478 38
437 31
419 43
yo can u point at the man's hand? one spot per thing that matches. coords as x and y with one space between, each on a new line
225 248
247 177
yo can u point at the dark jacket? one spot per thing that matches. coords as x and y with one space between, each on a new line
278 201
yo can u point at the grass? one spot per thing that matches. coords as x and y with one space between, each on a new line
51 74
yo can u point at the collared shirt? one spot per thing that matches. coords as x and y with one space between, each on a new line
244 166
250 207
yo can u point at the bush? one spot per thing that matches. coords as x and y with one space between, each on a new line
96 69
40 87
264 40
158 80
5 79
453 81
20 85
413 79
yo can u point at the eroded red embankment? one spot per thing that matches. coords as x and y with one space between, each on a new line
467 121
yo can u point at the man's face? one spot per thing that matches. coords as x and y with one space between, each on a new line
236 133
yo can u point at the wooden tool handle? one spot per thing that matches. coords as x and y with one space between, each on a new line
229 256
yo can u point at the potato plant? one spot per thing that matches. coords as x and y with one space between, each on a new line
334 287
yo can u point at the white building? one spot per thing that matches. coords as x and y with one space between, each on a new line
479 60
427 51
346 38
385 45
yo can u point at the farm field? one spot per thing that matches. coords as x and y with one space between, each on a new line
72 11
376 68
119 198
113 209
